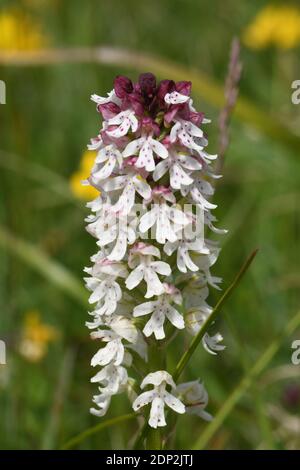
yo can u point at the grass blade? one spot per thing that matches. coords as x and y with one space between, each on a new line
95 429
245 383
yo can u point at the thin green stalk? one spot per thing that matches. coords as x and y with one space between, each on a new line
263 419
157 361
95 429
188 354
194 344
53 271
245 383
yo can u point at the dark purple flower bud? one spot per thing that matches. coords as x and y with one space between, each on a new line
171 113
291 395
123 86
196 118
134 101
165 86
147 82
109 110
150 126
184 87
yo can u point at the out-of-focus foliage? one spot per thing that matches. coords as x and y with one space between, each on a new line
277 25
79 189
19 32
46 123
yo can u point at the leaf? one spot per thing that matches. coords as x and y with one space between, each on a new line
245 383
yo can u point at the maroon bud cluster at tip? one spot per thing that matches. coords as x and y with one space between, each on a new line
146 99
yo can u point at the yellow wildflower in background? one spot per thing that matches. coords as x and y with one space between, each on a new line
18 32
36 337
84 192
277 25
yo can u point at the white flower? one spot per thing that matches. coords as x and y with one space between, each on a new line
130 183
145 146
111 157
211 343
191 137
205 262
177 164
113 378
120 328
119 229
149 136
166 219
105 290
196 316
182 128
113 352
147 269
125 120
209 218
176 98
110 227
111 97
186 139
102 401
158 397
101 208
96 143
197 190
184 261
161 309
103 275
195 398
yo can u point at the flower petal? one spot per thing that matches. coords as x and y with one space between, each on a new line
157 415
159 148
148 219
161 267
144 309
160 170
174 403
174 317
133 147
142 187
135 277
143 399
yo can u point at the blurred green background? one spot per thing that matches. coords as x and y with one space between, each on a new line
45 392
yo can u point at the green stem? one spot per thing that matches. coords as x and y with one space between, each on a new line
245 383
188 354
194 344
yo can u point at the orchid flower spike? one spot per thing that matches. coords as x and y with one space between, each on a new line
149 279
